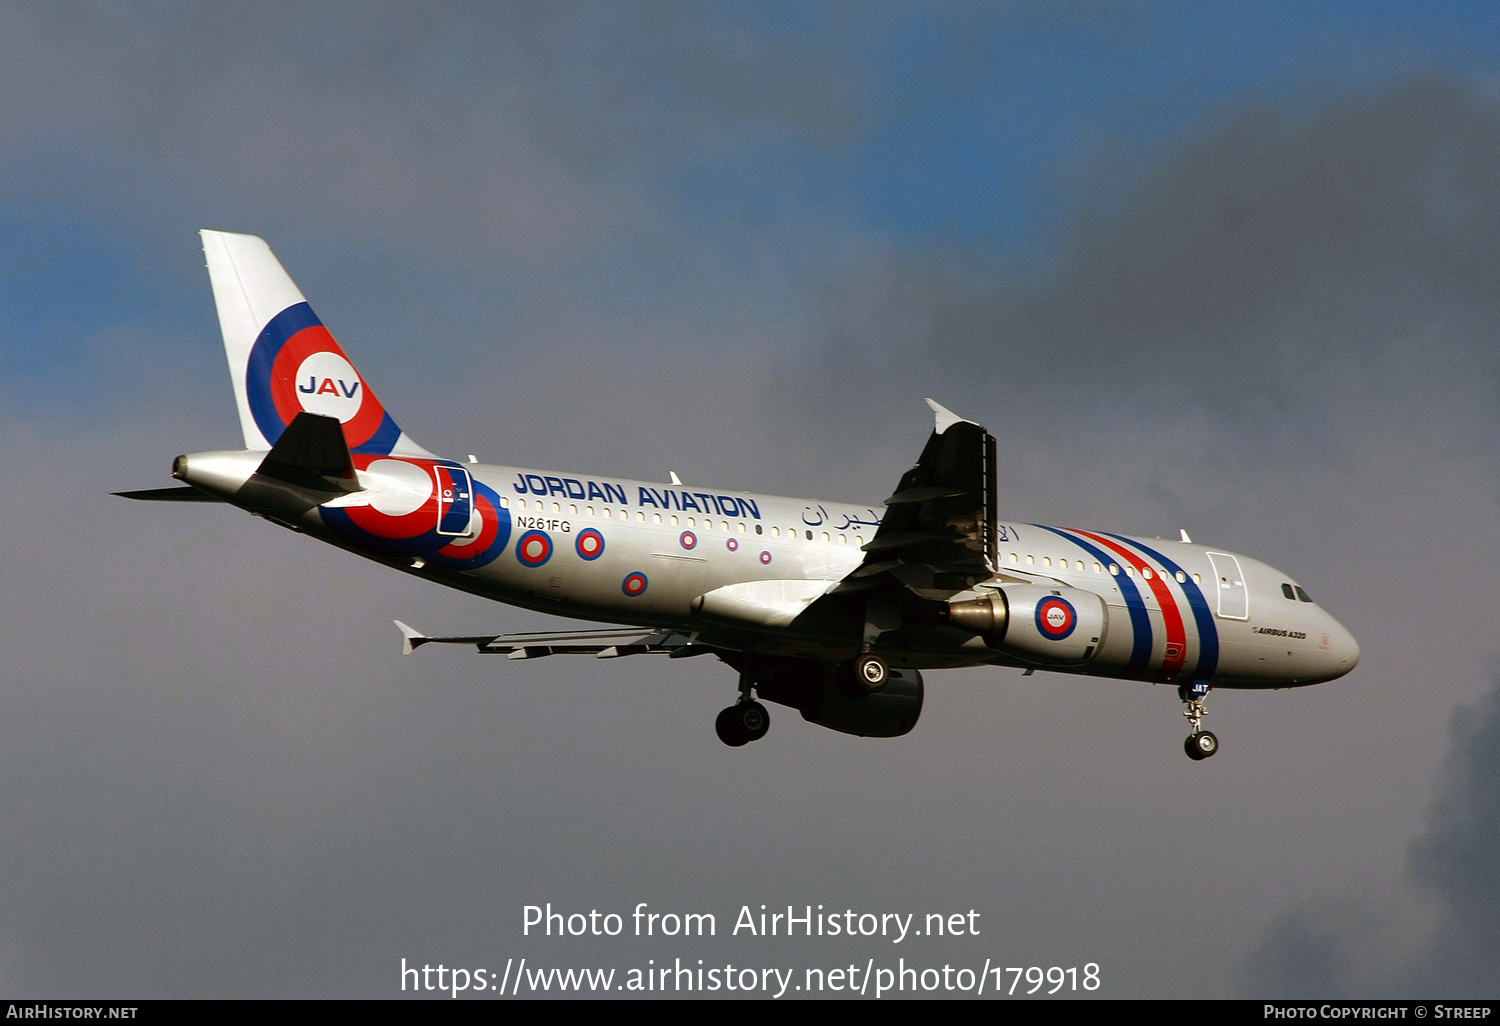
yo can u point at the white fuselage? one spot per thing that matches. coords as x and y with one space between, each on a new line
736 569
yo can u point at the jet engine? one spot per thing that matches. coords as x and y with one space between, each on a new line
1058 626
817 691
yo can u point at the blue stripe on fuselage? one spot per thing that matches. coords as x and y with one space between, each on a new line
1140 619
1208 634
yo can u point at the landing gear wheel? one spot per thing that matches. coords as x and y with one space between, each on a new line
754 720
871 672
740 724
1201 745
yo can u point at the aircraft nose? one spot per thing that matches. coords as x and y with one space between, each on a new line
1342 646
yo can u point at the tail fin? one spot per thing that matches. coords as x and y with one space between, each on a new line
281 358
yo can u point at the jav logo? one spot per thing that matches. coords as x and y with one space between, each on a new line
326 388
1056 618
327 384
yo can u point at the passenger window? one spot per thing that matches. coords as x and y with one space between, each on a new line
1098 569
1046 561
1286 589
589 510
1114 570
1181 577
608 513
504 502
809 536
775 531
641 517
1030 559
757 529
656 518
572 509
1304 596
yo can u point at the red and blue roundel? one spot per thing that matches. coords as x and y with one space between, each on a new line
634 584
412 513
590 544
688 540
297 365
1055 618
534 548
765 558
732 545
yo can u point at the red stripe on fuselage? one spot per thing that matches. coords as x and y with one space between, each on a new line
1171 615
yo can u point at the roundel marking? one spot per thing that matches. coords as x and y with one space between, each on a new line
590 544
401 516
732 545
634 584
534 548
1055 617
328 384
688 540
765 558
311 372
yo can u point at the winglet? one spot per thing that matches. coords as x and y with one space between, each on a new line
1185 535
410 637
946 418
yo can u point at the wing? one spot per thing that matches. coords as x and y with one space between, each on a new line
603 643
938 532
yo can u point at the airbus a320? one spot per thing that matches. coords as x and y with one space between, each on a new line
830 608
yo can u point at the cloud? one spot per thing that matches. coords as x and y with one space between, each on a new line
1247 270
1331 947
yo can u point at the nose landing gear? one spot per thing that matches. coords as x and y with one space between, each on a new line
1200 744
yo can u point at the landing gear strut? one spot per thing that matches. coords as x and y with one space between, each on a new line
1200 744
746 720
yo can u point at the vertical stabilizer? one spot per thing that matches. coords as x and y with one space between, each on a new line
282 360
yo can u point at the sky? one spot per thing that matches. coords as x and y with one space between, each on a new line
1227 268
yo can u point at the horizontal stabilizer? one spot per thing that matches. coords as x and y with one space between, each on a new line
310 452
605 643
410 638
169 495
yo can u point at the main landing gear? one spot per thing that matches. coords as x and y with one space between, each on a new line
1200 744
746 720
742 723
867 674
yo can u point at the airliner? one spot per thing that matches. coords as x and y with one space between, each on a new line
830 608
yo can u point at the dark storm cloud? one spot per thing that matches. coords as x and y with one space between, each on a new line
1322 948
469 128
1459 857
1242 268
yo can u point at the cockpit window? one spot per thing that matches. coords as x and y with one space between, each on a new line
1304 596
1286 589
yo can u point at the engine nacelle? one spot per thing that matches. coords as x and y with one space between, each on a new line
818 692
1061 626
